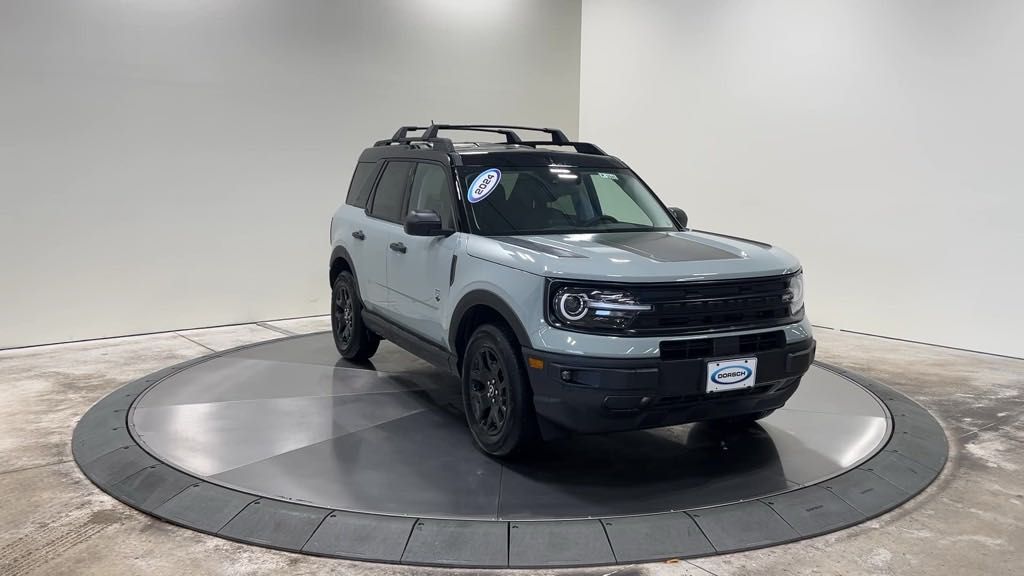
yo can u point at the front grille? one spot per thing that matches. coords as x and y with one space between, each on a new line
700 348
760 342
685 308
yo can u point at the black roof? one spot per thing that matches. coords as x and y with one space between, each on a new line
513 152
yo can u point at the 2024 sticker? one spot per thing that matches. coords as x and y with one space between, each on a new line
483 185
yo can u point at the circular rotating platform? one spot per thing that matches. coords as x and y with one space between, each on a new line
283 444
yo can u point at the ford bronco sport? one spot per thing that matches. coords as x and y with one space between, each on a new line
549 278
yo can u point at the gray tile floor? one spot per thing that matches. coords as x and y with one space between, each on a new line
53 521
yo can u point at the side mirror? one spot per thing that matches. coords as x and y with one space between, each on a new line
424 223
680 216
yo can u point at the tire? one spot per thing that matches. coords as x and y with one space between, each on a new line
496 394
353 339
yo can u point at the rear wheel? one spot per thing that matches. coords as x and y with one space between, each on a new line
496 394
352 338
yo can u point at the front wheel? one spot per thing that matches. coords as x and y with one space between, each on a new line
352 338
496 394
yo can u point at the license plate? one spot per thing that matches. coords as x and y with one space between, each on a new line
736 374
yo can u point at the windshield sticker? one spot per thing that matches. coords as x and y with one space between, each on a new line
483 185
608 176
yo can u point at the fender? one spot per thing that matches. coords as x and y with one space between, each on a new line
340 252
479 296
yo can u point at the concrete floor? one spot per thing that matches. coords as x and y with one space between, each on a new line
53 521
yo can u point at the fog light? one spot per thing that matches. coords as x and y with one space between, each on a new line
567 375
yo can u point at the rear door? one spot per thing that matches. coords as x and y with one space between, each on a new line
350 223
419 267
384 216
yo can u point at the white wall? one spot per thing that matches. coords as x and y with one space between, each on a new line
175 163
881 142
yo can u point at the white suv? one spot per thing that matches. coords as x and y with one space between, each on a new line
558 287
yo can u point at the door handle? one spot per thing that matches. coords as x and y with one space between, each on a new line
358 235
398 247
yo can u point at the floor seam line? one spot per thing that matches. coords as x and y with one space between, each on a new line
276 329
209 478
604 528
255 498
912 459
847 502
331 366
170 331
36 467
884 479
194 342
776 512
998 421
968 350
497 507
690 562
702 532
322 520
176 494
415 522
371 393
834 413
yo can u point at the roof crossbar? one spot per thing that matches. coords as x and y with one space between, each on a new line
558 137
402 137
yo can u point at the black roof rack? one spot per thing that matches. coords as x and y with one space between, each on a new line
402 137
429 135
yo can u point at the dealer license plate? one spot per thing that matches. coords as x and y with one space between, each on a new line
735 374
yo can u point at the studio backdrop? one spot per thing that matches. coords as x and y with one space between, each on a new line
175 164
881 142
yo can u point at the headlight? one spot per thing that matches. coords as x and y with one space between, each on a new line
796 291
600 308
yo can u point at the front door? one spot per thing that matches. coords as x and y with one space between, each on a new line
419 267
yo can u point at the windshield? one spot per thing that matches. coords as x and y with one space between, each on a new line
518 200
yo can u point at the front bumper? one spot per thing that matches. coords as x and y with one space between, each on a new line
595 395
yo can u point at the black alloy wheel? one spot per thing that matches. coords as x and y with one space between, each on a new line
496 393
341 313
354 341
488 391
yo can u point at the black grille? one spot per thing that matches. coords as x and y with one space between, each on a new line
713 306
700 348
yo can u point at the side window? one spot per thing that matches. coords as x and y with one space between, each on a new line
616 201
390 195
430 191
359 188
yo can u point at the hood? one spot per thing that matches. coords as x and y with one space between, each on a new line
635 256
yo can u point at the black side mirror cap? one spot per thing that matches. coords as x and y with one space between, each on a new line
680 216
425 223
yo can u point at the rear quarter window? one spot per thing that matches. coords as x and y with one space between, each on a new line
362 182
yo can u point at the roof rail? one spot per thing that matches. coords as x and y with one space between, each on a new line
558 137
581 147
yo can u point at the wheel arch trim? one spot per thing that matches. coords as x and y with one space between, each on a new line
481 297
340 253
